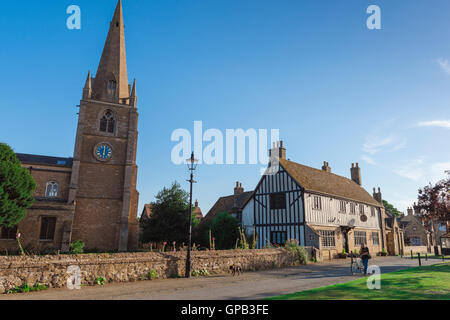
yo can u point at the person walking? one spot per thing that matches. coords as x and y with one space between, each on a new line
365 256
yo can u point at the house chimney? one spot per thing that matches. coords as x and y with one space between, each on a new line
377 195
278 150
196 203
238 189
326 167
355 173
416 209
410 211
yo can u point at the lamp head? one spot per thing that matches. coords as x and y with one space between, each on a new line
192 162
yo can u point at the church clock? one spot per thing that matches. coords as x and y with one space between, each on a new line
103 151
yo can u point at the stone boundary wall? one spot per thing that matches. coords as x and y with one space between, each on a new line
124 267
415 250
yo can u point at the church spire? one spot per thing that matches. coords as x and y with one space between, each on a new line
87 90
133 97
111 80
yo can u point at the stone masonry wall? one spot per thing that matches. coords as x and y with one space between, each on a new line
415 250
123 267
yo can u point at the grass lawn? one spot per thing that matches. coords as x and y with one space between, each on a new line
420 283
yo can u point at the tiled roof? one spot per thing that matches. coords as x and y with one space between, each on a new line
227 204
328 183
146 212
405 220
409 218
44 160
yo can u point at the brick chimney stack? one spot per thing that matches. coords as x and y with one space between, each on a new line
196 204
238 189
278 150
416 209
355 173
377 195
326 167
410 211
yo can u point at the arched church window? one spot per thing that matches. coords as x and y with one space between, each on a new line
51 191
107 122
111 88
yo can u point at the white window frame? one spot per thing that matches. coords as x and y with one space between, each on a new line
375 236
52 189
328 238
361 209
352 208
360 237
317 205
342 206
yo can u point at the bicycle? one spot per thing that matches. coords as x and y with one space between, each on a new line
356 266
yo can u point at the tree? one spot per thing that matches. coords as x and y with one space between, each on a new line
201 233
225 230
169 220
434 200
389 208
16 188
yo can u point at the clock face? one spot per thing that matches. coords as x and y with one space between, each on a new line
103 152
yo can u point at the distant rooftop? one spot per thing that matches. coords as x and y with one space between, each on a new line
44 160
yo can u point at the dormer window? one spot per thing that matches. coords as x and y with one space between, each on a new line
111 88
51 191
107 122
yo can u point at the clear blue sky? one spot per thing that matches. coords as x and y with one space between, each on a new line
337 91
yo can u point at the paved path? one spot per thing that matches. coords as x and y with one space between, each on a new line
251 285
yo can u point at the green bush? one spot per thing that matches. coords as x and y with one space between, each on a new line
153 274
100 281
77 247
225 230
302 254
27 288
203 272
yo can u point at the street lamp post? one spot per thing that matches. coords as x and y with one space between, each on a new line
192 164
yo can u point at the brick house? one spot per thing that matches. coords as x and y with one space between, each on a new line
415 232
91 197
232 204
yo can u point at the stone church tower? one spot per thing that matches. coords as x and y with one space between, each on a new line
103 181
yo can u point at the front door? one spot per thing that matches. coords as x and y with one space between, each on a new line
345 233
